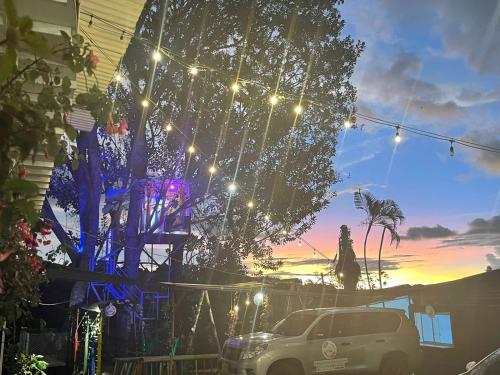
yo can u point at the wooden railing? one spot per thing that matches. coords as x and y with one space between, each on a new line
204 364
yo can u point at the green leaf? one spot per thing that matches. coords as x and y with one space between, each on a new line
25 24
59 159
66 86
57 80
71 132
22 187
78 39
65 36
75 163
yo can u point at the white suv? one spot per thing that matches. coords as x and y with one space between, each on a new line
328 341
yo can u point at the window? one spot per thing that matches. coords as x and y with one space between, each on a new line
435 330
294 324
402 303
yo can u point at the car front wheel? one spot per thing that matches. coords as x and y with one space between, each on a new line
285 368
394 365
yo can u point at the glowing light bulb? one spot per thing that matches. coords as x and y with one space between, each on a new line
232 187
298 109
118 77
235 87
341 274
145 103
267 218
212 169
347 124
157 56
452 150
397 138
250 204
247 302
168 127
236 308
191 149
273 100
300 242
193 70
284 232
314 253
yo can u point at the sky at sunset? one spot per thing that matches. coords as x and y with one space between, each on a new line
433 65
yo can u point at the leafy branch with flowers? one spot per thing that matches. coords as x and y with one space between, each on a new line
35 100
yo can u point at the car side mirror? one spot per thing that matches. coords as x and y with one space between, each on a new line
470 365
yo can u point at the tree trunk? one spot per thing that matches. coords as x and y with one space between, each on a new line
364 254
380 259
89 179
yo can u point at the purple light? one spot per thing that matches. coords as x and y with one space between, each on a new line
172 187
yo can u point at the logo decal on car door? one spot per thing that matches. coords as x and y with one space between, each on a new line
329 349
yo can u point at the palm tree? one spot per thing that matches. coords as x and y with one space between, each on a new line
384 213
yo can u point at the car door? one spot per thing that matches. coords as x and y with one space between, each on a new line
327 351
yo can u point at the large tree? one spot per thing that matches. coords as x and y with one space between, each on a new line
281 161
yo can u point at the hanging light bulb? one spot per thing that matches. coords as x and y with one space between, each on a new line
314 253
452 150
168 127
347 124
341 274
193 70
145 103
300 242
157 56
235 87
247 301
273 99
232 187
298 109
236 308
118 77
91 20
212 169
191 149
123 34
250 204
397 138
267 218
284 232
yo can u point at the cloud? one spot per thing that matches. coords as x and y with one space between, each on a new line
400 86
420 233
487 160
494 258
480 232
469 30
468 96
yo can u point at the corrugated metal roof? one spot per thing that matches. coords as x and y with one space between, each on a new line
105 38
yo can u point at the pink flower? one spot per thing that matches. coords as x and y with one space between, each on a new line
91 59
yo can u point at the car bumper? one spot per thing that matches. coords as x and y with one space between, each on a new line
250 367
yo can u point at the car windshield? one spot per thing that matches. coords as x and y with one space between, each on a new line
294 324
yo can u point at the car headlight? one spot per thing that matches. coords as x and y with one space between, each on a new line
253 351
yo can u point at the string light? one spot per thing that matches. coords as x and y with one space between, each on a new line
250 204
247 302
397 138
145 103
314 253
347 124
298 109
267 218
236 308
300 242
193 70
452 150
123 35
191 149
118 77
168 127
341 274
284 232
91 20
273 100
212 169
157 56
235 87
232 187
